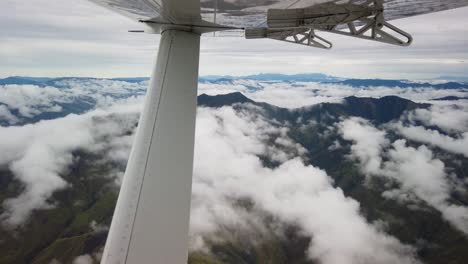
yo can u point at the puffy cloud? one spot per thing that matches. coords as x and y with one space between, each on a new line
228 167
303 194
300 94
420 173
31 100
416 170
451 118
88 259
291 95
83 259
368 142
38 154
7 116
457 145
98 228
225 87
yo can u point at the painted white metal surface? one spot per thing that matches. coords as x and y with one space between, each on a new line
150 223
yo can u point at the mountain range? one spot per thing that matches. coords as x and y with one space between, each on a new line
449 83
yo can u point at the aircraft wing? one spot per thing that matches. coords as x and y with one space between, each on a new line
252 13
396 9
169 11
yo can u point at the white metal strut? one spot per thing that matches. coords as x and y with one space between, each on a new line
151 219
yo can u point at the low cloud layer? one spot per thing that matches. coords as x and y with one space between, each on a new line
234 152
449 116
38 154
299 94
447 122
416 170
31 100
227 166
457 144
25 102
368 142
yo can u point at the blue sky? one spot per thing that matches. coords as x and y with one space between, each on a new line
77 38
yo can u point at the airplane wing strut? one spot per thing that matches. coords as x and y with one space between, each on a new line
150 222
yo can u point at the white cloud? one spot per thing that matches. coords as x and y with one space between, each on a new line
458 145
419 172
451 118
83 259
416 170
6 115
38 154
368 142
227 167
300 94
226 87
30 100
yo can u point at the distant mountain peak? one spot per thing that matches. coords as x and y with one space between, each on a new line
223 99
450 98
382 109
302 77
262 77
379 110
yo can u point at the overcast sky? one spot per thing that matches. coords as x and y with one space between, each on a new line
76 38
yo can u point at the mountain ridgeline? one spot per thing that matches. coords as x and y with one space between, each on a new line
378 110
65 231
438 83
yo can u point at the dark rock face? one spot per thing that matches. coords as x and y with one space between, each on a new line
223 100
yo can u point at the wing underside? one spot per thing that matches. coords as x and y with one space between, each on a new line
252 13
